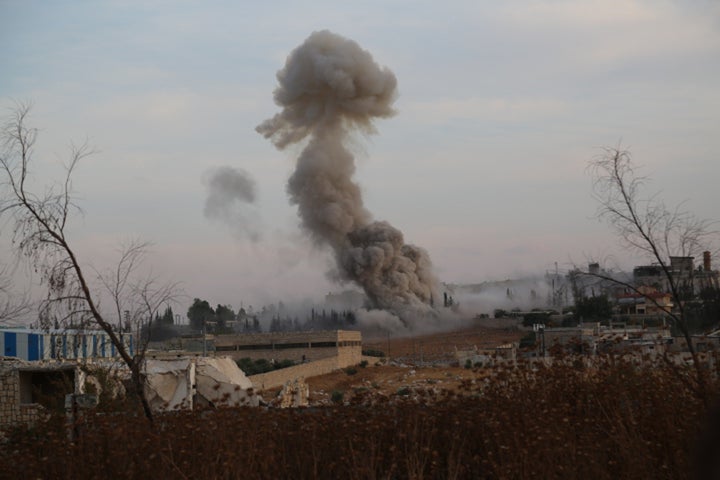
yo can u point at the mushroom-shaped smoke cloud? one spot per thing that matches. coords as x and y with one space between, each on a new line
329 88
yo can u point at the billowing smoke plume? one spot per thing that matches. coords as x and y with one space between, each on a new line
329 88
230 190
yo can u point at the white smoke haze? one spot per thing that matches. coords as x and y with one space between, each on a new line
230 192
523 294
328 89
379 319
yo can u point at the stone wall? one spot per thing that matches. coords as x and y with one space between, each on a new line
19 379
347 356
12 412
295 354
278 337
9 396
278 378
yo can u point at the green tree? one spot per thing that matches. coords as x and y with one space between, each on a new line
531 318
704 313
168 317
199 313
223 315
593 309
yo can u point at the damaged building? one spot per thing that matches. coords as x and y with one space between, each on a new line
27 389
190 382
30 389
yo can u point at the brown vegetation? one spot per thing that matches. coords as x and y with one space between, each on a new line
441 346
617 421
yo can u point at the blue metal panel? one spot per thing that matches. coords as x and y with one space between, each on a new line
34 346
84 346
10 344
94 346
102 346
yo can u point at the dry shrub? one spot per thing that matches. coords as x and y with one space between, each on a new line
613 420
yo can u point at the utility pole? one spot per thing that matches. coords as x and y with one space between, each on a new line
204 332
539 328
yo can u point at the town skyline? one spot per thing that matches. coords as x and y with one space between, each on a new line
500 109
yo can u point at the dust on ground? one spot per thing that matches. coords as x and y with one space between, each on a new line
415 363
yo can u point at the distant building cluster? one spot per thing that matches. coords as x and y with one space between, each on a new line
637 310
647 280
691 280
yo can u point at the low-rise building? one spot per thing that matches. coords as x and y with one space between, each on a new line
502 354
646 301
682 269
295 346
591 339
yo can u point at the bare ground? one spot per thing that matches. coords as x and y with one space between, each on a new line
416 363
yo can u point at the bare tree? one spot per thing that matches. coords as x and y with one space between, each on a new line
39 234
646 225
14 306
136 299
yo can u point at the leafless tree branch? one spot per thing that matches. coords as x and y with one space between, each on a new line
39 235
648 226
14 306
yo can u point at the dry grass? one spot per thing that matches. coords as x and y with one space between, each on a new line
440 346
618 421
386 380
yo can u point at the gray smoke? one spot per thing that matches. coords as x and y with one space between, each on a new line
230 190
329 88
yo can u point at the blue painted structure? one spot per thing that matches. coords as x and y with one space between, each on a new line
31 345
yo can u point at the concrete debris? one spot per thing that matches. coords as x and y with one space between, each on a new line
201 381
169 384
294 394
220 382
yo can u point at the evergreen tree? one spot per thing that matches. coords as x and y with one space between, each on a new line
168 317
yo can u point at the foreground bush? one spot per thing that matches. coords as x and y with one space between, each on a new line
617 421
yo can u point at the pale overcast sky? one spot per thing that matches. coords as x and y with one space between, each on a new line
501 106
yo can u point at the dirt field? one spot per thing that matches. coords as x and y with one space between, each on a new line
387 380
441 347
416 363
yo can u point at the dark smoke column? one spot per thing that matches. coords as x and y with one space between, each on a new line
329 88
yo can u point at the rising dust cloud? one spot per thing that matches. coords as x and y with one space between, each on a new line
328 89
229 192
